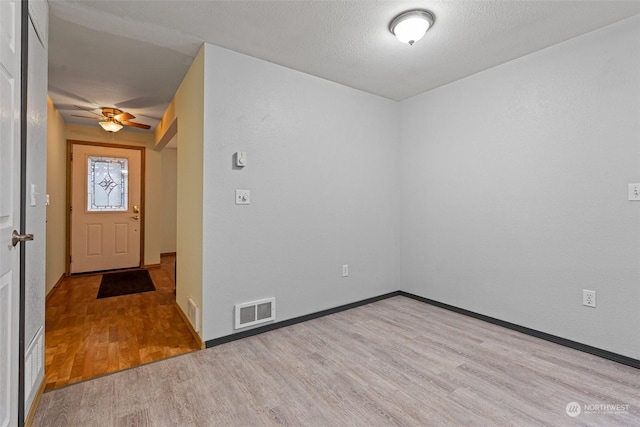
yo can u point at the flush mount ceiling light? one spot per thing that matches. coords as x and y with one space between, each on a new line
110 125
411 26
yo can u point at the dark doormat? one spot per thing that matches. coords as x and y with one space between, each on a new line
125 283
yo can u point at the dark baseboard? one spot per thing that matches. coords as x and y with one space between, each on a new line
532 332
542 335
272 326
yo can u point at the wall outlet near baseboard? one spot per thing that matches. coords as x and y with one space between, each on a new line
588 298
345 270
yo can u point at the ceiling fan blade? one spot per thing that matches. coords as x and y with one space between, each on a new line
123 117
87 117
69 94
88 110
136 125
144 102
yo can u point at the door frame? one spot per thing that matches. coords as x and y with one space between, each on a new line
70 144
24 82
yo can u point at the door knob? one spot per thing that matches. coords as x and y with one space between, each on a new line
136 209
136 217
17 237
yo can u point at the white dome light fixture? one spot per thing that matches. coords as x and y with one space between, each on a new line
411 26
110 125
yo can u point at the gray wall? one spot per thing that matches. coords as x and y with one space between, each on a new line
504 193
323 173
514 190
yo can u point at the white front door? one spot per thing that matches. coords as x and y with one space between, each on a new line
106 217
9 208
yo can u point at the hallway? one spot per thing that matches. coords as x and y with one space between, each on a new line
88 337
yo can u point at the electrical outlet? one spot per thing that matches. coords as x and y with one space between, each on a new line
634 192
588 298
345 270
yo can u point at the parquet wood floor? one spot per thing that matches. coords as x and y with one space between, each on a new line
396 362
87 337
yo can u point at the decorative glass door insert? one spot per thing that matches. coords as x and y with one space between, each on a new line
108 184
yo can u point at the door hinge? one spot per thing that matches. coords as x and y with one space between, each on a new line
69 260
71 156
70 208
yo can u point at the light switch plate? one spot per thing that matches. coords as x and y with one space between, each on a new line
34 193
243 197
634 191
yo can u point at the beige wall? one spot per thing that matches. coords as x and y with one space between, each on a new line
153 181
169 199
188 109
57 191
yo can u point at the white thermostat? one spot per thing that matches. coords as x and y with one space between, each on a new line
241 159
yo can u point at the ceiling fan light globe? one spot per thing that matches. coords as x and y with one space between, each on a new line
110 126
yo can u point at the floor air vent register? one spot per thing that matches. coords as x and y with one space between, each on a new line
193 314
255 312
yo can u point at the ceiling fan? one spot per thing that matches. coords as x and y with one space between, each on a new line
113 119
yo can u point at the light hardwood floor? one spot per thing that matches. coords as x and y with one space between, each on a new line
393 362
86 337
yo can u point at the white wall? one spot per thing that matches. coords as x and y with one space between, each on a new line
514 194
169 193
36 179
36 176
323 173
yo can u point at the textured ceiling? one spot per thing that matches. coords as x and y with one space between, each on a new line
134 54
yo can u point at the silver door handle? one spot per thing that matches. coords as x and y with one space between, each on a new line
17 237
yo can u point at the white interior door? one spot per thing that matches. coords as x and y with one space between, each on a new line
105 208
9 208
